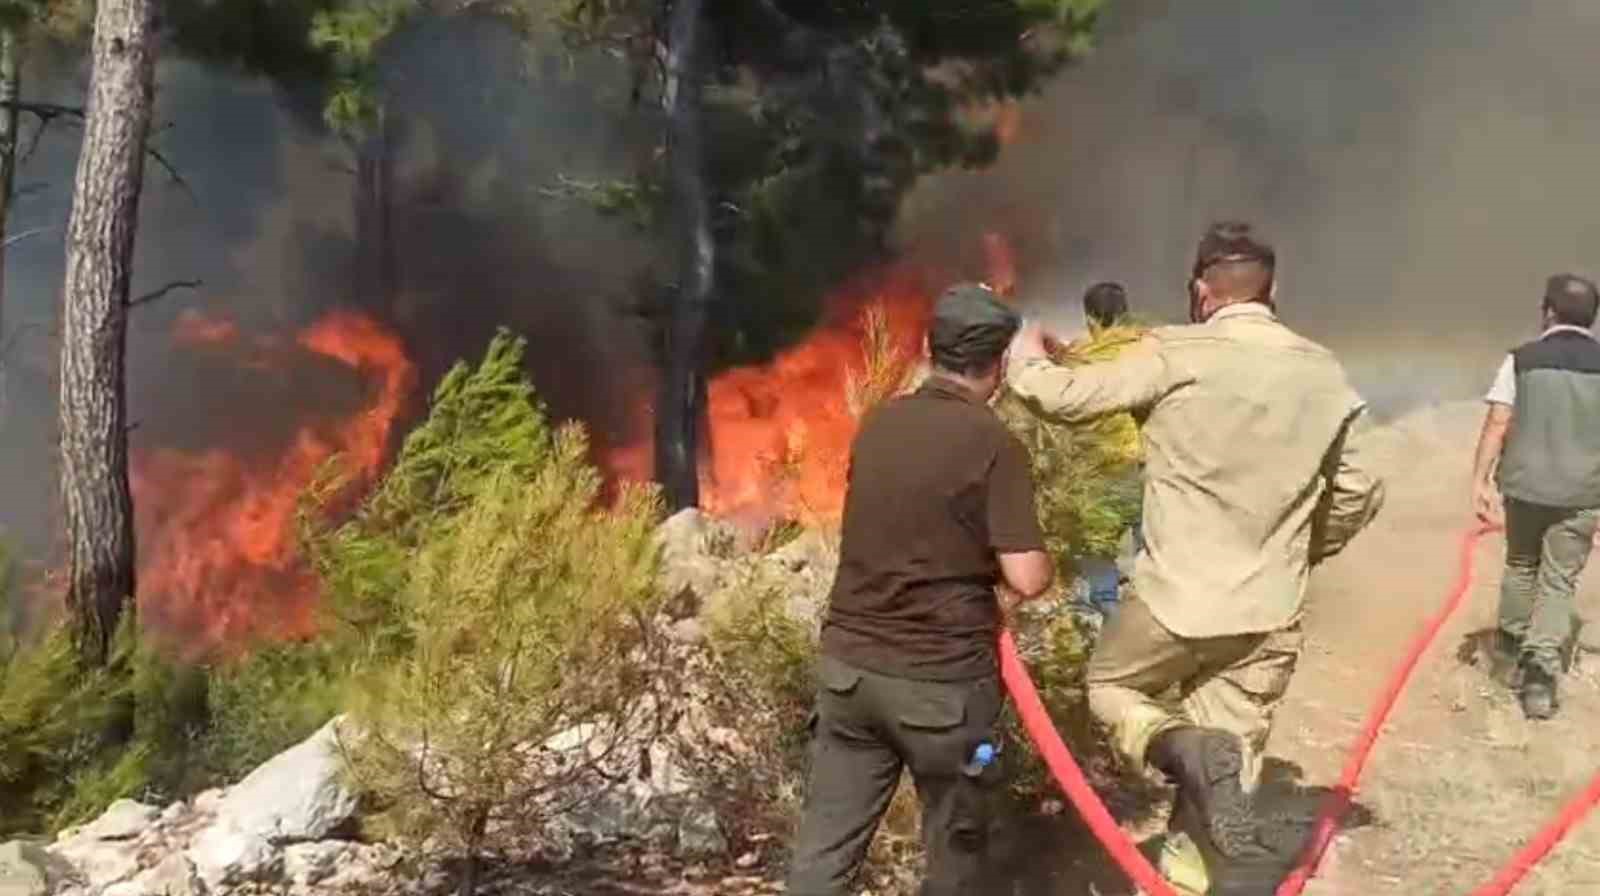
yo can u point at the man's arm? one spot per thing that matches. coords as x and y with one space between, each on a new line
1486 502
1026 570
1077 394
1355 493
1502 397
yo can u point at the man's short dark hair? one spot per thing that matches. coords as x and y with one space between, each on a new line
971 329
1105 303
1571 300
1235 262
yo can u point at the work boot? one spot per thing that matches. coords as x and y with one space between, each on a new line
1204 763
1538 692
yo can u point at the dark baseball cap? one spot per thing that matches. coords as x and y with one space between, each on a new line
971 328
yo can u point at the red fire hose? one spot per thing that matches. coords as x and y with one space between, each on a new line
1338 801
1067 773
1105 828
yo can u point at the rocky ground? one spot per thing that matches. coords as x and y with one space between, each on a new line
1456 785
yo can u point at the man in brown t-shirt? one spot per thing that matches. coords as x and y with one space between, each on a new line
939 523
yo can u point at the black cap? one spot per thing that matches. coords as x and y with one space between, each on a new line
971 328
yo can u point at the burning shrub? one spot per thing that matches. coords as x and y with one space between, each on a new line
500 615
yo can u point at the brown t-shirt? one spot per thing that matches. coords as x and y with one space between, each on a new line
938 485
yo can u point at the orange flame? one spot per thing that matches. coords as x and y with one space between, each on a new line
781 432
1000 260
1008 122
218 559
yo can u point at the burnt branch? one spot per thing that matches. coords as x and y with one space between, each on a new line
19 237
49 112
149 297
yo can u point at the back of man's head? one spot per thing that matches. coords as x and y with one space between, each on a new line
1235 264
1105 303
1571 300
971 330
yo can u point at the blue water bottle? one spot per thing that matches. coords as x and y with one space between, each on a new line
983 756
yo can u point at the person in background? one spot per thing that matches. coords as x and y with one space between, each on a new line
940 528
1255 471
1104 305
1538 471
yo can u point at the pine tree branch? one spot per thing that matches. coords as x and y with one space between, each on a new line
149 297
49 112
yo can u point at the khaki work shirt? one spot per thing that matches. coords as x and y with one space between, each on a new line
1254 468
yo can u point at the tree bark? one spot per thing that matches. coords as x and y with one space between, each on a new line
10 88
93 406
376 270
682 402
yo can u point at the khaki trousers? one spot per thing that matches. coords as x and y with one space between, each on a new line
1144 680
1546 551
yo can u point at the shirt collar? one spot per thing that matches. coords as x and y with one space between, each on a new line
1244 309
1567 328
944 387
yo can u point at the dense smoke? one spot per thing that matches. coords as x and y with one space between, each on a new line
1422 167
264 217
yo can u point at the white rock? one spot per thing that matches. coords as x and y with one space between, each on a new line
297 795
100 863
699 832
27 869
124 820
224 855
308 864
174 876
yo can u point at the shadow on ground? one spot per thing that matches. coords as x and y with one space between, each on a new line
1058 856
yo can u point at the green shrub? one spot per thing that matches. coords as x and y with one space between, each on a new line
266 702
72 740
1086 476
493 605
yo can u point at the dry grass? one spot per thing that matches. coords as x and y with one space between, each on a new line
887 370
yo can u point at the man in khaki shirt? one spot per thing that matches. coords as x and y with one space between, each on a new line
1254 474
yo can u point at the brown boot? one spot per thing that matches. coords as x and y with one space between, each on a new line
1204 763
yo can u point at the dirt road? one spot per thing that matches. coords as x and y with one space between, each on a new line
1460 780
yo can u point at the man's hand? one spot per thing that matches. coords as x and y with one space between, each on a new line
1010 601
1487 504
1030 343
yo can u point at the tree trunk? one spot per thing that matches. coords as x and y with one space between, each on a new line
10 88
376 269
93 422
683 388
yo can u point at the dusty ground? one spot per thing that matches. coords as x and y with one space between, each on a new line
1459 780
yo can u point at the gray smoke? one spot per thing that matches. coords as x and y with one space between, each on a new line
1421 166
266 221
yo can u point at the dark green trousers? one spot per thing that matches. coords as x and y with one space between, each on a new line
1546 550
867 728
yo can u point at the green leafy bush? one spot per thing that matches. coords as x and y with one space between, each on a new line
494 605
1086 476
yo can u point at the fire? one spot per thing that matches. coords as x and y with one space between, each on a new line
781 432
218 562
1001 261
1008 122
